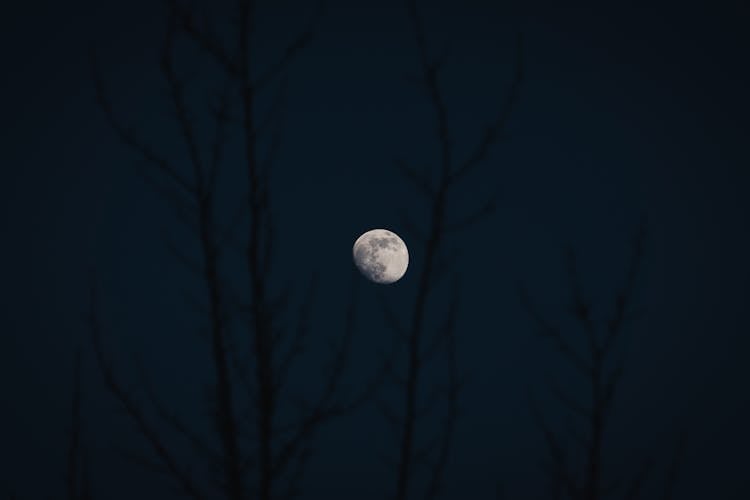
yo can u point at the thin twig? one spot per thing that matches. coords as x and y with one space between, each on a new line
132 409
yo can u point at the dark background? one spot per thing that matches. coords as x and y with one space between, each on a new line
623 111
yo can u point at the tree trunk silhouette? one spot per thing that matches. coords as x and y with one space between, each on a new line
603 383
421 344
276 459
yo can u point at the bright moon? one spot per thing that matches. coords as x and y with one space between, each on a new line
381 256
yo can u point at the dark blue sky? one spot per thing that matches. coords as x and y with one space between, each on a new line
623 111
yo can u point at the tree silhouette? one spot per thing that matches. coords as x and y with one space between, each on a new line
601 366
76 478
423 344
250 385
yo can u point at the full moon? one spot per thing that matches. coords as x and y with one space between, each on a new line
381 256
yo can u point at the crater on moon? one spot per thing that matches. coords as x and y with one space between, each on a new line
381 256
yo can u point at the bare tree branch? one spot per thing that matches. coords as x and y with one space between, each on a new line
278 450
555 451
301 42
221 117
176 92
299 336
417 178
546 330
449 422
603 375
580 308
624 297
199 445
391 318
485 210
435 267
128 137
132 409
635 487
494 131
204 38
569 401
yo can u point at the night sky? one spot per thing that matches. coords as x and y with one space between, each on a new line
624 114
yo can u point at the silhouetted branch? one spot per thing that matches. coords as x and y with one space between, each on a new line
274 116
580 308
176 93
485 210
445 333
132 409
392 419
294 48
609 386
623 298
273 366
221 117
225 418
279 450
199 445
494 131
603 375
419 347
635 487
449 424
190 264
556 452
129 138
419 179
569 401
415 230
293 490
553 333
391 318
204 38
143 460
227 235
297 343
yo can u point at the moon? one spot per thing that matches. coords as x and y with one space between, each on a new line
381 256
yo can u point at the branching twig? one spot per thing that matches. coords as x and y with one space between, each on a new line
129 138
133 410
449 423
436 192
553 333
293 50
603 376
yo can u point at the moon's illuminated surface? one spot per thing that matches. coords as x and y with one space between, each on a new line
381 256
